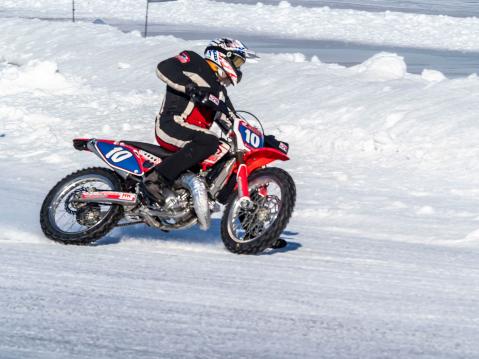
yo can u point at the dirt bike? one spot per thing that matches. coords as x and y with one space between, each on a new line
259 200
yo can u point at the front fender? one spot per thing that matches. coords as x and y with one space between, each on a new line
261 157
253 160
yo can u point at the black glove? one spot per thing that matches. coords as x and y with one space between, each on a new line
224 125
203 96
196 93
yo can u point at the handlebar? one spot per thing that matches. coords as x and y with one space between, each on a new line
224 125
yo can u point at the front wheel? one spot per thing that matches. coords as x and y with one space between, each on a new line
64 219
252 230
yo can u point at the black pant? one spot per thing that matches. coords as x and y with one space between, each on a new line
200 145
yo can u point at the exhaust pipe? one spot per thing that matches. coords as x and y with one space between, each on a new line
197 188
123 198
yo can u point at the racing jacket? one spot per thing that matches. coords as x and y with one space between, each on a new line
179 71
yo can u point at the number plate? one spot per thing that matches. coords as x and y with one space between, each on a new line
252 138
119 157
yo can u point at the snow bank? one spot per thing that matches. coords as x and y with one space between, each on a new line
35 75
383 66
373 109
386 28
432 75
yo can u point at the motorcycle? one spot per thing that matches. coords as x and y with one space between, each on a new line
259 200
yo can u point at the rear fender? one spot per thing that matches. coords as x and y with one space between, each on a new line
81 144
119 156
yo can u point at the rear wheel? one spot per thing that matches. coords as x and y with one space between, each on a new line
64 219
252 230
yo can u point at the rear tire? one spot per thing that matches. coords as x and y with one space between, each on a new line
270 235
65 190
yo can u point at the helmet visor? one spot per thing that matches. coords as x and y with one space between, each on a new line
238 61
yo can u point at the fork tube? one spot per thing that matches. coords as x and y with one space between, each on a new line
242 177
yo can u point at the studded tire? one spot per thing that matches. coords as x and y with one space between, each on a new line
90 235
269 238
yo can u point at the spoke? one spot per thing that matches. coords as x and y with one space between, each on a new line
245 224
71 225
235 225
64 214
65 220
252 231
248 223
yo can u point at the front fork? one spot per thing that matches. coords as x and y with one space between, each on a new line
242 180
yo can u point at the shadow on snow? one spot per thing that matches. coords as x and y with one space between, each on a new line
194 235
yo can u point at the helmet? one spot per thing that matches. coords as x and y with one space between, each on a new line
227 56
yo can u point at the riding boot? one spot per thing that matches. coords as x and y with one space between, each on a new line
157 187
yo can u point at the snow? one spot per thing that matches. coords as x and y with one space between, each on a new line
385 28
382 260
460 8
432 75
383 66
40 75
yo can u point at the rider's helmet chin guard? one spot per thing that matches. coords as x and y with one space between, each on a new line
228 55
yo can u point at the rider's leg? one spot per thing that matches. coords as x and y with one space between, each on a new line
195 144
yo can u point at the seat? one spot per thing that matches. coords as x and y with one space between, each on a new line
151 148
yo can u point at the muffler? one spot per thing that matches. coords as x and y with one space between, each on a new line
123 198
199 193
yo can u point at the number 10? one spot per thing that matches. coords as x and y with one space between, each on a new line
252 138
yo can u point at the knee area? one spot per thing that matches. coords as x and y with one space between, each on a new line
209 143
213 145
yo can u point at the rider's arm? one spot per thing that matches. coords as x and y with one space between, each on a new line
171 70
229 104
230 109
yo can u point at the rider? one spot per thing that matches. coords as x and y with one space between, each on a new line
195 86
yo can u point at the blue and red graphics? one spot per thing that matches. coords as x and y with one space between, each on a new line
184 58
252 137
120 156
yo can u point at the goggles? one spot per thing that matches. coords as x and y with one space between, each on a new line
237 60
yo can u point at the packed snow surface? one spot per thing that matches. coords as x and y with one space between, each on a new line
382 260
460 8
282 19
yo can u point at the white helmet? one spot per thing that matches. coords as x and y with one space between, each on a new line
228 55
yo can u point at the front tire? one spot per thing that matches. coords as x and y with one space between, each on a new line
67 221
251 231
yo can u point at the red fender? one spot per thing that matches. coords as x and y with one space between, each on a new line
261 157
253 160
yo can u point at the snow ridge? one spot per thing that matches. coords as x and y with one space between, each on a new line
383 28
